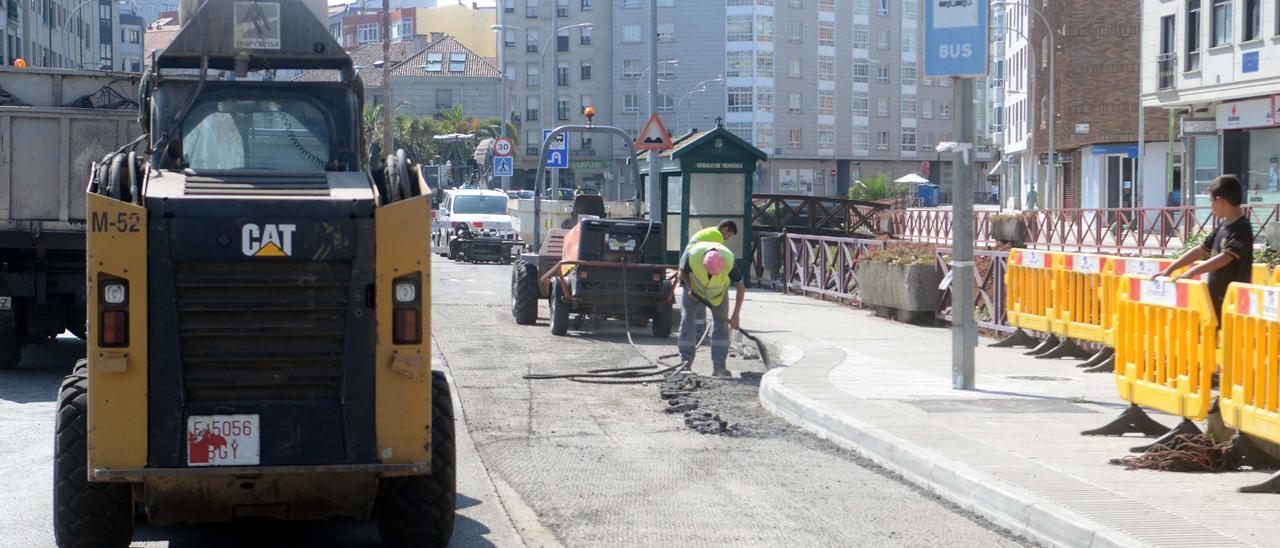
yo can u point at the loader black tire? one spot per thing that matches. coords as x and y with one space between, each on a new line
559 311
662 321
85 514
418 511
524 292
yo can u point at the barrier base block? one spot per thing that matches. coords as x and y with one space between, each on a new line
1107 366
1098 359
1245 452
1271 486
1049 343
1170 438
1017 338
1066 349
1133 421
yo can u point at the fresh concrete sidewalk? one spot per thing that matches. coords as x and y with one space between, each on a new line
1011 450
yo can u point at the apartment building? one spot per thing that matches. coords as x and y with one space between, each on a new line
150 10
1208 63
128 47
544 93
33 30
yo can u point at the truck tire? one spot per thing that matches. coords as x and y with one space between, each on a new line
418 511
85 514
559 311
662 321
524 293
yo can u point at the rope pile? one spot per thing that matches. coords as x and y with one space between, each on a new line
1185 453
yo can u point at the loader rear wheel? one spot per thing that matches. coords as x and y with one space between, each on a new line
524 292
662 321
419 511
559 311
85 514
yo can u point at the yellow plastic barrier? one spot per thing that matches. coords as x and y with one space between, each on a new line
1251 360
1113 271
1029 289
1077 311
1166 345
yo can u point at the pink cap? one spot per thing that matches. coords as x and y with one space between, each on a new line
713 262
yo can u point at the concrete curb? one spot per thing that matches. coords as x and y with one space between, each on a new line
1005 505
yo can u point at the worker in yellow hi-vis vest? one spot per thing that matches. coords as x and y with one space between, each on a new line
719 234
706 272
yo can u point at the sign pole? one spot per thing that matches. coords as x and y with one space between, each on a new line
956 41
653 188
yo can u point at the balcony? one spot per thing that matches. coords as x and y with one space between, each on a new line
1166 70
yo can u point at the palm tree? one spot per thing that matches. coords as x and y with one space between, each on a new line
875 189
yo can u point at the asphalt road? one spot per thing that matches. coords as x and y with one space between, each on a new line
547 463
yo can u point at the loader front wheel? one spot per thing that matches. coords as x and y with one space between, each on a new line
418 511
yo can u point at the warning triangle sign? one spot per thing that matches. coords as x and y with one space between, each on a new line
654 136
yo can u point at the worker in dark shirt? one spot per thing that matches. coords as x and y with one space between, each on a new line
707 270
1229 249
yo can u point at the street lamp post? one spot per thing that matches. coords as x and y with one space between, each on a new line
66 38
699 87
1031 92
640 82
1053 53
542 57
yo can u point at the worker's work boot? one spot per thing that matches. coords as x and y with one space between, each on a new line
721 372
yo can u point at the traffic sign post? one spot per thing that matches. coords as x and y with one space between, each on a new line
956 36
503 147
654 136
503 166
559 157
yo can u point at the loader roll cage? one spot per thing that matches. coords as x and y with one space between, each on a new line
634 171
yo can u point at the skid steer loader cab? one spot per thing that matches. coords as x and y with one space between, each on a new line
258 304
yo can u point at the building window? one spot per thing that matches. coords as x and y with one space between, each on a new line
827 69
795 33
1167 60
882 140
666 102
795 103
562 42
533 142
562 108
826 103
910 9
885 39
826 138
1221 23
666 32
764 138
667 68
882 107
797 140
632 4
861 36
909 74
584 70
883 8
631 68
586 5
827 33
444 99
367 33
741 129
435 62
1193 33
738 64
908 106
562 74
531 9
764 28
861 105
861 7
861 136
562 8
535 74
882 74
531 110
740 28
908 139
944 111
531 42
457 62
509 71
630 103
509 38
631 34
585 37
860 72
926 109
764 100
764 64
797 68
1252 24
795 4
741 99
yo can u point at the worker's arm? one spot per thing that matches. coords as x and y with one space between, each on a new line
1196 254
1218 261
736 320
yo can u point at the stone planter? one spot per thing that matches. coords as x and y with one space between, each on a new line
884 224
1009 230
908 293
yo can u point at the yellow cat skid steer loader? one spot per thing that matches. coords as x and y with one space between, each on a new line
258 304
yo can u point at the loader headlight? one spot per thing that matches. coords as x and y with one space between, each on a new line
114 293
406 292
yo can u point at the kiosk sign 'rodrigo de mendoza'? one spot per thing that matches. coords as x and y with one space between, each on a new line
955 38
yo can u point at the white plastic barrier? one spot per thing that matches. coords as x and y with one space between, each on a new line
554 214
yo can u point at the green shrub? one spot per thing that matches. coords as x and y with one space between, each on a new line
904 255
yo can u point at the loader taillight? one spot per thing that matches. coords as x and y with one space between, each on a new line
114 328
406 326
406 312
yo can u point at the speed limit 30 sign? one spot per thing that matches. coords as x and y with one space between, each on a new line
503 147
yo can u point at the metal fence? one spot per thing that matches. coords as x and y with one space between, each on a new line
989 294
825 266
1124 231
813 215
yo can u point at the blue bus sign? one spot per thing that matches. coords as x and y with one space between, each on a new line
955 38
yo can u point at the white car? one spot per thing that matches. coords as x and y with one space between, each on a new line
472 225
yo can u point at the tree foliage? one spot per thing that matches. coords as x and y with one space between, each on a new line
877 188
416 134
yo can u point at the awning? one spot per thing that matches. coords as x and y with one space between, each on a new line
995 168
912 179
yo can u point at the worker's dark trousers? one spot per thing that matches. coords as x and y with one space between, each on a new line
690 312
